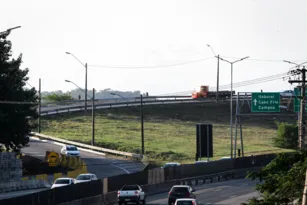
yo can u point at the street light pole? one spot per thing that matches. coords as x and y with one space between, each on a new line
85 100
39 105
231 136
142 121
93 118
117 95
142 125
8 31
85 93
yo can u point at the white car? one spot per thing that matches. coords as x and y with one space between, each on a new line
224 158
202 161
131 193
186 201
287 93
62 182
171 164
86 177
70 150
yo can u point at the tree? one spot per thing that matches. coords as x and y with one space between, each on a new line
15 118
58 97
287 136
283 179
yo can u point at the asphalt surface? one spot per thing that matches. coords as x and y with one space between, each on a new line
98 164
231 192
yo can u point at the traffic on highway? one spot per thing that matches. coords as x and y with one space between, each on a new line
113 120
97 163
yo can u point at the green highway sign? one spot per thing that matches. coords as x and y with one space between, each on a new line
265 102
297 92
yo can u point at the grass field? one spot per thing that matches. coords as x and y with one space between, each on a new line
169 130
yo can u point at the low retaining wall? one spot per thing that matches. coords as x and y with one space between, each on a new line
110 198
152 181
22 185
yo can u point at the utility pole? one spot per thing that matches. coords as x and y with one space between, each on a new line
218 77
304 200
302 123
39 105
142 125
93 118
218 72
85 102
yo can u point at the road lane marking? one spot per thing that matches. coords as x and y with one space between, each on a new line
125 170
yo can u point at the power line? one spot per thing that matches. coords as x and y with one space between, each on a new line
158 66
257 59
184 63
244 83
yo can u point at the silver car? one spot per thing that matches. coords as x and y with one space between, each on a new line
70 150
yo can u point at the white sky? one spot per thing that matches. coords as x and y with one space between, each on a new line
154 33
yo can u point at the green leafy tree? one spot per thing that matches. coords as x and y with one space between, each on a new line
287 136
283 179
58 97
15 118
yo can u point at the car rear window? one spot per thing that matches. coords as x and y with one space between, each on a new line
180 189
185 202
62 181
84 177
130 187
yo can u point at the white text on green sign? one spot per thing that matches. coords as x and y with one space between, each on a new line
265 102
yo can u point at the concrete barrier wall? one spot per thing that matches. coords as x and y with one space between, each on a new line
152 181
10 167
111 197
22 185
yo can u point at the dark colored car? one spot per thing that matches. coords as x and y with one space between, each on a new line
180 191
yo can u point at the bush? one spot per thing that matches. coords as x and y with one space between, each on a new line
287 136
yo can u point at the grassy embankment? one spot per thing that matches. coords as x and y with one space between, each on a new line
169 130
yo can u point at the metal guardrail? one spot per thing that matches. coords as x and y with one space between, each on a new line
124 104
70 102
95 148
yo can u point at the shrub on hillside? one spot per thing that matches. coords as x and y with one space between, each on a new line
287 136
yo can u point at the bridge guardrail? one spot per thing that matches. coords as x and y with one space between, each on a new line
110 105
145 98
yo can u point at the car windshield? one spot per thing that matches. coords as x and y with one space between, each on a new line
62 181
170 165
71 148
130 187
180 189
188 202
84 177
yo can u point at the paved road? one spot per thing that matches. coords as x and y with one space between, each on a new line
231 192
96 163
